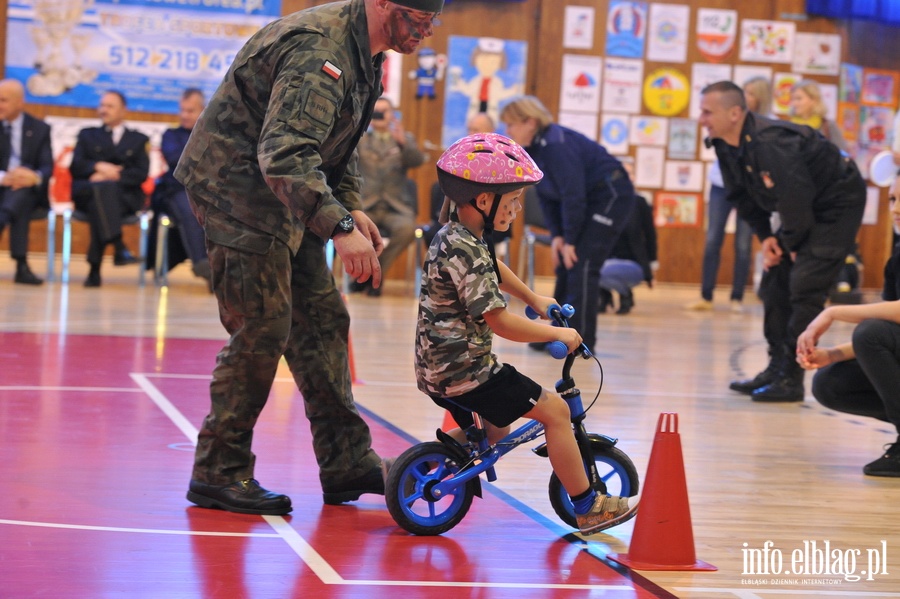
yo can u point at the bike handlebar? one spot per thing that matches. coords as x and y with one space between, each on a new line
560 316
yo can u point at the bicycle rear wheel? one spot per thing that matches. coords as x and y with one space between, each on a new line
408 491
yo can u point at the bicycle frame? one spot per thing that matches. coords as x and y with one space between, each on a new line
486 456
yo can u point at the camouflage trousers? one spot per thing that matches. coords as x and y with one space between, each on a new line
274 304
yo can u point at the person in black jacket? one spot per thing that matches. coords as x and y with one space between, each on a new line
631 261
109 166
861 377
774 166
26 162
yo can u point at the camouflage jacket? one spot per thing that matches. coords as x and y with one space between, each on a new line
453 341
275 146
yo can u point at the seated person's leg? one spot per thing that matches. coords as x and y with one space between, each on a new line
192 236
16 207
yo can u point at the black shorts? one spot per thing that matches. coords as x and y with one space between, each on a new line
504 398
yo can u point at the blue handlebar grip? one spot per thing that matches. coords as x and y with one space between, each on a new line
558 349
531 313
567 311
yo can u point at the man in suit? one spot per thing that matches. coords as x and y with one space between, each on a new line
26 161
171 195
109 165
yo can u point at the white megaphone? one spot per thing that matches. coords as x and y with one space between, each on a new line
882 169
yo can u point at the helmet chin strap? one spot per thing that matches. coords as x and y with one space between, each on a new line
489 231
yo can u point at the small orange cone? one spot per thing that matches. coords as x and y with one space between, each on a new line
662 537
353 378
449 423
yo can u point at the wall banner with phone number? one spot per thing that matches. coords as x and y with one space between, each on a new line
67 52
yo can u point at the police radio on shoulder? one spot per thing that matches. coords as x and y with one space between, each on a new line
345 225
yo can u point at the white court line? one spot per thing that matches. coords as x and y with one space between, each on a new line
304 550
151 531
73 389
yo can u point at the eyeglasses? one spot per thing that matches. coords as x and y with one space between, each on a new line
421 20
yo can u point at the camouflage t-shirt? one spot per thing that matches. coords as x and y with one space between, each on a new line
453 341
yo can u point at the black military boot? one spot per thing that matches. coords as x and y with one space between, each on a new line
747 386
787 387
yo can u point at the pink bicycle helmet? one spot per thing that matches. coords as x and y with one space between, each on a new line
485 162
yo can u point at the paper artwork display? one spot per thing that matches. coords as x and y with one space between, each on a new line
870 213
584 123
622 81
703 74
848 120
667 36
782 84
879 87
851 83
682 139
683 175
716 33
614 133
767 41
666 92
648 131
876 124
829 93
745 72
483 74
580 86
648 166
579 27
626 28
817 53
678 210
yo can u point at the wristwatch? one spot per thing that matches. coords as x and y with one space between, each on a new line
345 225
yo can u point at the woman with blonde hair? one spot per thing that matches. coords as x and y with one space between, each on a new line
807 108
758 94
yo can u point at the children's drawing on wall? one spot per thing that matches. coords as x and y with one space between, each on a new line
483 74
430 70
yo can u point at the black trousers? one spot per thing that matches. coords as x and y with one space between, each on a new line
18 206
106 204
868 385
605 221
794 292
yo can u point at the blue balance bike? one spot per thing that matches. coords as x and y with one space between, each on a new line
431 485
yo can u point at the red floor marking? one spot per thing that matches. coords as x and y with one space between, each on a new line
112 458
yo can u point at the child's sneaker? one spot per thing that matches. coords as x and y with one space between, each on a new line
606 512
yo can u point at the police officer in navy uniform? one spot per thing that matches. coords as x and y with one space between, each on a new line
775 166
109 166
271 170
26 163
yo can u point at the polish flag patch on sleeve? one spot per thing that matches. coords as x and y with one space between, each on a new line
331 70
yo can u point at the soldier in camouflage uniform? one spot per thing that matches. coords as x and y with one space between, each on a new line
461 306
271 172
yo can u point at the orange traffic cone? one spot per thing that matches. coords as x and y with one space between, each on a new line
662 537
449 423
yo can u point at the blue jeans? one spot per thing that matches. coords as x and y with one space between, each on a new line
621 276
719 209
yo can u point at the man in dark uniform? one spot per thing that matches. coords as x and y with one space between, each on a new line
109 166
171 195
271 170
774 166
26 162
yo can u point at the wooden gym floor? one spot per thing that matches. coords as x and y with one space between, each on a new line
102 390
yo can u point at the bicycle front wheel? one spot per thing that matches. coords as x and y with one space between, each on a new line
617 472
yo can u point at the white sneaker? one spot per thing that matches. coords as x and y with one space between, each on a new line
700 306
606 512
737 306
